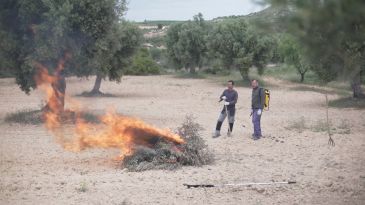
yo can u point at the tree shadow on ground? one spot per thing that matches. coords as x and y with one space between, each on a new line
187 75
35 117
348 102
96 94
109 95
320 90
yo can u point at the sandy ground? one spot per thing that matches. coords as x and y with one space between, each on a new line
36 170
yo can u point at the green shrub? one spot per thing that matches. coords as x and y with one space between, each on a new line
143 64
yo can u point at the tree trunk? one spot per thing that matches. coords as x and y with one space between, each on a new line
192 70
56 103
356 86
302 77
97 84
244 73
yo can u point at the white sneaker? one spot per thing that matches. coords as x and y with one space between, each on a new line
216 134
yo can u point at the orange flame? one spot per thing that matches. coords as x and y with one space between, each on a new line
116 131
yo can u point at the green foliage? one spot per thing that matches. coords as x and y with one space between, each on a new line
8 50
293 55
88 32
156 41
113 53
186 43
143 64
156 53
298 125
270 19
288 72
332 34
82 188
239 46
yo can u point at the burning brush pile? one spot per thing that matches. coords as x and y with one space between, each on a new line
166 155
142 146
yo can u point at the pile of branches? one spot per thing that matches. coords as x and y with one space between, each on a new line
167 155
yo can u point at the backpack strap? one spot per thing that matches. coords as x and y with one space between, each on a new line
260 89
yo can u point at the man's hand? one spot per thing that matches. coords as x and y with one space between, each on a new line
226 103
223 97
259 112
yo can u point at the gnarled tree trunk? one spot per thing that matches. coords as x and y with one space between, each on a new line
302 77
244 73
356 86
56 102
97 84
192 70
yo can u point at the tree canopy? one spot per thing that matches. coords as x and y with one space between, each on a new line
239 46
91 32
292 53
186 43
332 34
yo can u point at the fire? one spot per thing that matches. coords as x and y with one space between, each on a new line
116 131
122 132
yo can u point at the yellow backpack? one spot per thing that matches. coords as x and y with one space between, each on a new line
267 99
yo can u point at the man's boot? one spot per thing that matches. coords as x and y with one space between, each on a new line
217 132
229 133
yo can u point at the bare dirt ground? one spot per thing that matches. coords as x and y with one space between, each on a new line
36 170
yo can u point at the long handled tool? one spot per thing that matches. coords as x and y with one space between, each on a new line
229 128
330 140
236 185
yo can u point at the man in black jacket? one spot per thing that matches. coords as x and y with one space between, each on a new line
257 105
229 96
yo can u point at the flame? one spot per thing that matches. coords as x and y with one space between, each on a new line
116 131
122 132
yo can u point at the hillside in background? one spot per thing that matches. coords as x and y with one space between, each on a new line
269 18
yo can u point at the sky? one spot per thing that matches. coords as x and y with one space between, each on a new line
140 10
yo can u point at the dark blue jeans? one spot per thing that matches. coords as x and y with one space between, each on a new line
256 123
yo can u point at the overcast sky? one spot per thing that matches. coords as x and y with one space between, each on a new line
140 10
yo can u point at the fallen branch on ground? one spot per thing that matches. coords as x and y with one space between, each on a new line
236 185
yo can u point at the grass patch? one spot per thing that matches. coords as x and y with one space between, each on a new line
306 88
188 75
83 187
298 125
342 128
35 117
169 156
321 126
289 73
347 102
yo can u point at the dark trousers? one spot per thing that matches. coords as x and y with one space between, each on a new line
256 123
